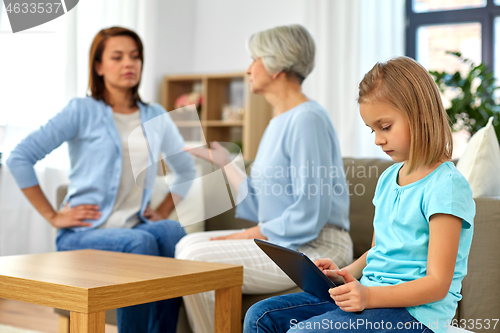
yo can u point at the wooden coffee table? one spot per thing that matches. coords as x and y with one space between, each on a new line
89 282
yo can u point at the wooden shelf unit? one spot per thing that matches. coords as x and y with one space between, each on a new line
216 92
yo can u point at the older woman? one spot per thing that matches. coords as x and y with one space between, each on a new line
297 191
105 209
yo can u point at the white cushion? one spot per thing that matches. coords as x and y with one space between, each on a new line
480 163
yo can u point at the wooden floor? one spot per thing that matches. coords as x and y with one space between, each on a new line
33 317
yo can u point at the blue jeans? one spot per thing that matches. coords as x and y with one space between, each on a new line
303 312
155 239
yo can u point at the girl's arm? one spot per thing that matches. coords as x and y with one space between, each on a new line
444 237
355 268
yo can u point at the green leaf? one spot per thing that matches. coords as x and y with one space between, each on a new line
476 101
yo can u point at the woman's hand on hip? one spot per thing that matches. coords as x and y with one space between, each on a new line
218 155
250 233
69 217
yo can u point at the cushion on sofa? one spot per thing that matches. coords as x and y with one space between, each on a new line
480 163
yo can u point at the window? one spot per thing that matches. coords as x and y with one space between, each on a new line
467 26
32 79
422 6
471 27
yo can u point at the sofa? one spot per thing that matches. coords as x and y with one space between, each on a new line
481 287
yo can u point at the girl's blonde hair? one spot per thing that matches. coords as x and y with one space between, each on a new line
407 86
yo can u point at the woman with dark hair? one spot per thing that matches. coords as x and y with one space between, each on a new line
110 141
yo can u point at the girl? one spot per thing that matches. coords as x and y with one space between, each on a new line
410 279
104 208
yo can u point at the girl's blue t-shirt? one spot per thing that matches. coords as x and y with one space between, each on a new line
401 225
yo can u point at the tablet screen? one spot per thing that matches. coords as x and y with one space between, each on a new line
299 268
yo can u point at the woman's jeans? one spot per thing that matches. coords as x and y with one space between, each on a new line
303 312
156 239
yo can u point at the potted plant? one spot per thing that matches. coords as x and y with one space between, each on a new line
475 98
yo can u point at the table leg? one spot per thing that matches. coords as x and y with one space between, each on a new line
228 310
87 322
63 324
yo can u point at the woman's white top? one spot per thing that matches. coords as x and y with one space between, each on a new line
125 213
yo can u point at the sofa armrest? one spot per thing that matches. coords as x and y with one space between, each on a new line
227 219
480 288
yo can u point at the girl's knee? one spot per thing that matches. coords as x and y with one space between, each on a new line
250 321
256 317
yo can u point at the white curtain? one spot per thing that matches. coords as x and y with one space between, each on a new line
351 36
42 69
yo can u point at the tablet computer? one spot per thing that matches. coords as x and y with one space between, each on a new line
300 269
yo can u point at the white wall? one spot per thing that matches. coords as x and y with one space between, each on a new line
174 37
209 36
223 26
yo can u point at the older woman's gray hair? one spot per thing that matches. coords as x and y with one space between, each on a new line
288 49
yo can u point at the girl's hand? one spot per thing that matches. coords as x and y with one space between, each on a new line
352 296
218 155
325 264
330 270
152 214
250 233
69 217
